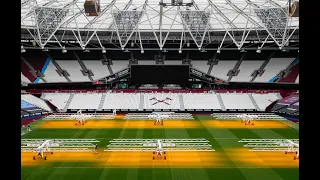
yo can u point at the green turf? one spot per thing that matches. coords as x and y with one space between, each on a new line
221 139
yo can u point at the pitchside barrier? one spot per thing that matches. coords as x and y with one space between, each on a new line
72 116
258 116
150 145
152 116
59 145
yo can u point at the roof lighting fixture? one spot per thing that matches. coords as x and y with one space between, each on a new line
23 50
64 50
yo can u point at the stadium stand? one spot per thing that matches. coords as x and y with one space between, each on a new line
264 100
200 65
237 101
121 101
99 70
161 101
222 68
146 62
58 99
172 62
35 101
272 69
103 100
285 102
24 79
74 70
200 101
51 74
290 110
292 76
119 65
85 101
246 69
25 105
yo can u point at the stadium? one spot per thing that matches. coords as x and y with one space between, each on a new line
160 89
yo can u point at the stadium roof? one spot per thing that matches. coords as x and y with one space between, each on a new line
47 21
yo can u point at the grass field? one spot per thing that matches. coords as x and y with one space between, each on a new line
229 161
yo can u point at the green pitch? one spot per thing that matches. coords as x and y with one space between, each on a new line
221 140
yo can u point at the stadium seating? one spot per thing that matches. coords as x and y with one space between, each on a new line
51 74
25 105
74 69
35 101
237 101
99 70
200 65
272 69
150 103
246 69
173 62
136 101
24 79
142 62
200 101
58 99
119 65
85 101
222 68
264 100
121 101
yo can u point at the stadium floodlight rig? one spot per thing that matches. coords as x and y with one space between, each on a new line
273 145
159 147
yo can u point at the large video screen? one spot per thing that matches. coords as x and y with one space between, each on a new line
159 74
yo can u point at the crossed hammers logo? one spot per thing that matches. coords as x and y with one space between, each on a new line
158 101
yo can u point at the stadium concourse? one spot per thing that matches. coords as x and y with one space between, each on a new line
160 89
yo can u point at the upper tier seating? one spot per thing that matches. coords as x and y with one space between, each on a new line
35 101
200 101
173 62
58 99
237 101
170 101
201 65
119 65
51 74
74 69
246 69
24 79
144 62
85 101
222 68
121 101
99 70
264 100
274 67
